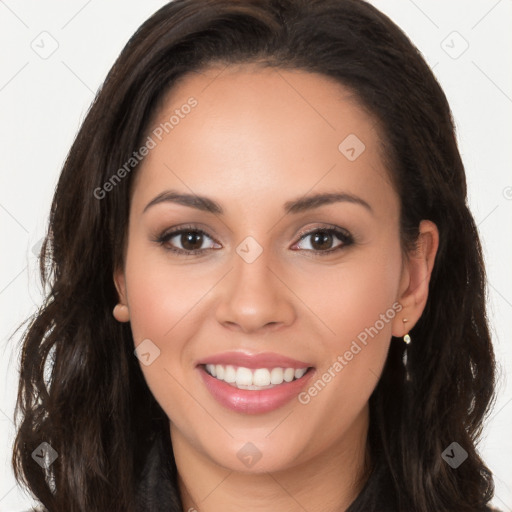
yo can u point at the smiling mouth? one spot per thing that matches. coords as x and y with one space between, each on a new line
254 379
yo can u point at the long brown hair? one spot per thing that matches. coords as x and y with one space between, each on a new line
95 409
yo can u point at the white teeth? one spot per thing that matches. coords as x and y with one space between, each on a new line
229 374
289 374
300 372
219 371
276 376
244 376
260 378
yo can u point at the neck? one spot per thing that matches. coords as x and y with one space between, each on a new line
330 481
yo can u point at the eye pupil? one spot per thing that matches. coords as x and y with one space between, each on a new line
321 240
189 240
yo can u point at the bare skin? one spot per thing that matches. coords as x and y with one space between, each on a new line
257 139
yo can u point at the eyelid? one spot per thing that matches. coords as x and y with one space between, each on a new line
345 238
168 234
343 235
325 227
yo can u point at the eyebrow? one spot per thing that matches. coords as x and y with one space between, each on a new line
295 206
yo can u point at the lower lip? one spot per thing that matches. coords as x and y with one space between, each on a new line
253 401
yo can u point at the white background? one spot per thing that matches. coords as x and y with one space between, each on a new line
43 101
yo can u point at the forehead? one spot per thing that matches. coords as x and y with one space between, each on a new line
262 129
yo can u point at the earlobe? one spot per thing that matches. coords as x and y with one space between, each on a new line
416 278
121 313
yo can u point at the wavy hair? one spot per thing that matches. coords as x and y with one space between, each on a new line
94 407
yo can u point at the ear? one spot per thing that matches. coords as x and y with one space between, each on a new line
121 312
415 279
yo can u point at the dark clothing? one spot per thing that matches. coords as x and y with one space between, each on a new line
157 494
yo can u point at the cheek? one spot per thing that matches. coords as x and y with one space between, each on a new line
360 295
168 303
161 300
161 296
359 305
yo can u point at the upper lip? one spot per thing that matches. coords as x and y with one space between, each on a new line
254 361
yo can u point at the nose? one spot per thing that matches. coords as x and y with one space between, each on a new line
255 297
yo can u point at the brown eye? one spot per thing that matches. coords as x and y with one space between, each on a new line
322 240
191 240
187 241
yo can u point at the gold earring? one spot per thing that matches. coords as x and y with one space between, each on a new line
121 313
406 338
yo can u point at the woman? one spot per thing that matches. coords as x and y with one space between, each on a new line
266 289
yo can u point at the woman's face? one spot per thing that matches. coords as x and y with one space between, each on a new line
268 275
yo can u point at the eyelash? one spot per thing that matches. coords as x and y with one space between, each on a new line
342 235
